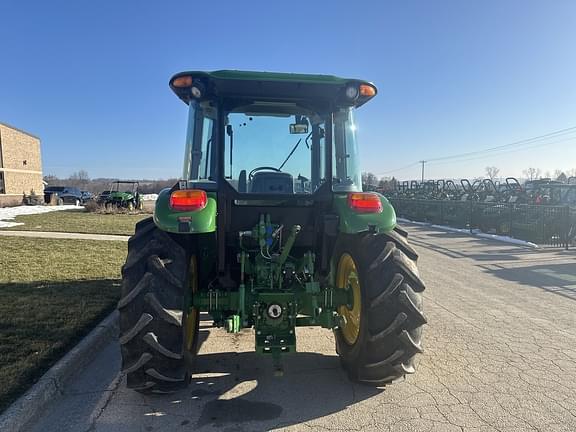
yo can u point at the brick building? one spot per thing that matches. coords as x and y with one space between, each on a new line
20 165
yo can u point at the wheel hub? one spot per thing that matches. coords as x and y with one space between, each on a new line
347 278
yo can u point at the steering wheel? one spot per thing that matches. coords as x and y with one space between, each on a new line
262 168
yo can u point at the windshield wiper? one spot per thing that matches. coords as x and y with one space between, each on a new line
294 149
290 154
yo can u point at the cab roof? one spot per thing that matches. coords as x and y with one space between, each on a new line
268 86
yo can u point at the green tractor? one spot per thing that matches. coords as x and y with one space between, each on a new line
269 229
124 194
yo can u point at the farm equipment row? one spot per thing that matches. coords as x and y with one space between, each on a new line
540 224
540 211
536 192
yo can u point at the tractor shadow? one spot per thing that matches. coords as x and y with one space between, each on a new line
238 391
559 279
459 245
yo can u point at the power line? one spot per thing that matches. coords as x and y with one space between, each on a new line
512 144
401 169
504 148
537 145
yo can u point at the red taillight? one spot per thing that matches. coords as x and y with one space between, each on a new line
188 200
364 202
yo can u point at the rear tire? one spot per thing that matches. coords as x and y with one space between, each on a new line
155 282
391 317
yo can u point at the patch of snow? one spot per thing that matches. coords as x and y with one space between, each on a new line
507 240
452 229
474 232
7 214
412 222
149 197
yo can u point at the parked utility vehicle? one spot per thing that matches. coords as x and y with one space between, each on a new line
124 194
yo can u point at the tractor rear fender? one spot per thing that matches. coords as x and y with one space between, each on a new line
182 222
352 222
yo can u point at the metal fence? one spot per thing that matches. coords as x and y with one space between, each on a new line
544 225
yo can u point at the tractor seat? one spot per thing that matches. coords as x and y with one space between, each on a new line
272 183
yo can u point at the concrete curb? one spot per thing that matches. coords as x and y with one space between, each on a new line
51 386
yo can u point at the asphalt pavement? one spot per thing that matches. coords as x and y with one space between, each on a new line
500 355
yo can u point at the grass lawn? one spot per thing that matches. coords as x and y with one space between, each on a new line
52 293
79 221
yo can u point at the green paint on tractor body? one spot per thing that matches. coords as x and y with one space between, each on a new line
193 222
352 222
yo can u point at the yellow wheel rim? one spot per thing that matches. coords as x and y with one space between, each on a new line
347 278
192 316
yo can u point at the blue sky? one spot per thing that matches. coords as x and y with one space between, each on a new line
90 78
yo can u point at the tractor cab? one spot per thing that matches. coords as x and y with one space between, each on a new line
271 134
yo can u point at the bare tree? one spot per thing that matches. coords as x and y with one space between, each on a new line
387 183
492 172
51 179
369 179
558 173
79 178
532 173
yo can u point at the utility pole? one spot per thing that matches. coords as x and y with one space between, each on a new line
423 162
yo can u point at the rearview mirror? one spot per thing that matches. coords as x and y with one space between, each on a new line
299 128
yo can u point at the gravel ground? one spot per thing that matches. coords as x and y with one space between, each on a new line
500 355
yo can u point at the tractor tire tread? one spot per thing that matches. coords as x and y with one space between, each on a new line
154 281
133 332
390 289
151 339
144 358
158 267
392 318
400 318
401 242
159 376
401 231
128 298
170 316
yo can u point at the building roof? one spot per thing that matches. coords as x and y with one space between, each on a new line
19 130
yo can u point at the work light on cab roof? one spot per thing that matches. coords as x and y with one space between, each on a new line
269 229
